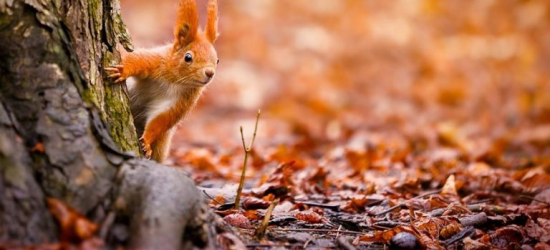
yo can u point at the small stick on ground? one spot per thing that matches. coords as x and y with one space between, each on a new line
465 232
307 243
338 233
343 243
534 199
474 220
246 152
474 208
210 197
314 204
404 204
481 201
260 233
318 230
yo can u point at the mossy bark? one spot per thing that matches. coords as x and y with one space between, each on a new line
56 106
96 28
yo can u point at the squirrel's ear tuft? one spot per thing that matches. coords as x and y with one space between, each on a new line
212 21
187 24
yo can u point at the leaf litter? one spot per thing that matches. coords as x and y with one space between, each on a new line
429 137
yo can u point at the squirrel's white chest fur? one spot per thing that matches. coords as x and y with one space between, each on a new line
152 97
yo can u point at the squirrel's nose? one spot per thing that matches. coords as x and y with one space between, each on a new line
209 72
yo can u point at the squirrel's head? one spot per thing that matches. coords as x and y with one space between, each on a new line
193 54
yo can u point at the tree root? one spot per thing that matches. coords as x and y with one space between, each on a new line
160 202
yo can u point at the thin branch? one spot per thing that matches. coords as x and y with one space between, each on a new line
255 130
246 152
241 182
260 233
270 246
404 204
242 137
318 230
534 199
315 204
210 197
307 243
338 233
481 201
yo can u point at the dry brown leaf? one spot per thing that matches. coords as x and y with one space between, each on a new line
251 203
74 226
252 215
309 217
238 220
386 235
449 189
470 244
506 236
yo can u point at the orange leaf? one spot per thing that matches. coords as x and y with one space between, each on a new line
74 226
449 189
238 220
309 216
38 147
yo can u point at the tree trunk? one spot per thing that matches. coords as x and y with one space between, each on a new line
54 142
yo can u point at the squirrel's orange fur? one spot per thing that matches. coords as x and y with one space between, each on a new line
165 82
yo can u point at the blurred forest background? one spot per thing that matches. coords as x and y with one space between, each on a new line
366 83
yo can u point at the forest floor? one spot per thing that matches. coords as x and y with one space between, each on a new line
366 185
412 125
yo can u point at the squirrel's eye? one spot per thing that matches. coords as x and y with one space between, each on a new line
218 62
188 57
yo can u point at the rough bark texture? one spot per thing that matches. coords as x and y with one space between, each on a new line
54 141
21 200
96 27
43 90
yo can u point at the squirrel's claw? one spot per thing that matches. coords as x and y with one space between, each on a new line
117 67
146 148
116 73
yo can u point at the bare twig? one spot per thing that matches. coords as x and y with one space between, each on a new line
246 152
260 233
210 197
474 220
465 232
307 243
314 204
484 207
343 243
255 130
534 199
338 233
481 201
400 205
318 230
404 204
474 208
265 245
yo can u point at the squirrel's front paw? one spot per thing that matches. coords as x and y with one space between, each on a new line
116 73
146 148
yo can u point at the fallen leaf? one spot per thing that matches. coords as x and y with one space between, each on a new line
238 220
310 217
250 203
74 226
449 189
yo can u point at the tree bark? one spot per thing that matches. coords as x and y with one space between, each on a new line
54 141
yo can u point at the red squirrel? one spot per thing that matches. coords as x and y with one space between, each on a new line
165 82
